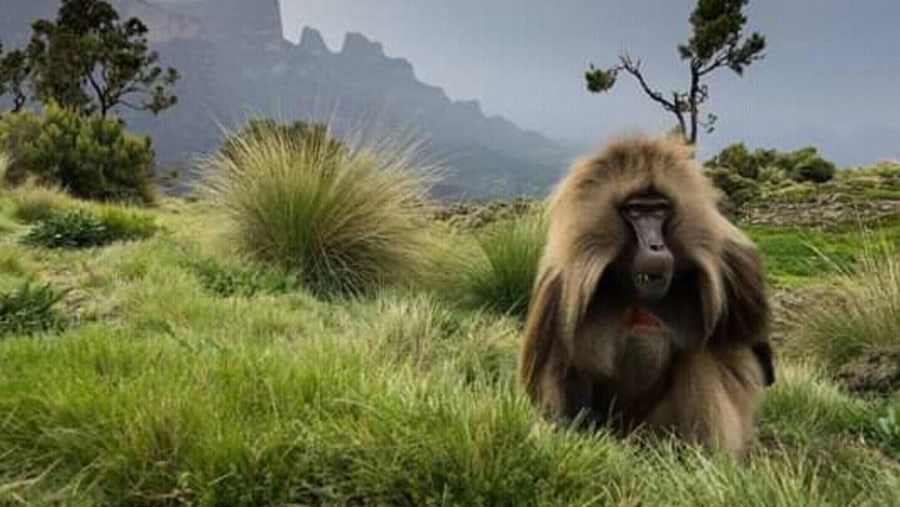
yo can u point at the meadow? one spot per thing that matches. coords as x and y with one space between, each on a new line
239 347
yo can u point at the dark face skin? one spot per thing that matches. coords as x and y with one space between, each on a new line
652 264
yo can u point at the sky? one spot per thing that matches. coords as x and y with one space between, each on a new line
831 75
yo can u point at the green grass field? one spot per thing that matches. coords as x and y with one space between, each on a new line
175 372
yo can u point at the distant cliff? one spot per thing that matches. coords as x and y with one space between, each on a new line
235 62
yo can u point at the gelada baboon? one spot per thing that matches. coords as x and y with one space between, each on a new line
649 307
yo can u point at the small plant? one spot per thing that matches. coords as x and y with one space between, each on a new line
228 281
345 220
83 229
30 309
887 430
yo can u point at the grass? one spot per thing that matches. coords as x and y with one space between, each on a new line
495 267
346 222
861 316
29 309
32 203
164 392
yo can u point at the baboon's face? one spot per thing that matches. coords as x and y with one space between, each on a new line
649 259
650 288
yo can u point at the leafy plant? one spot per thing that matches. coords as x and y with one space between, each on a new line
83 229
229 281
30 309
887 429
90 157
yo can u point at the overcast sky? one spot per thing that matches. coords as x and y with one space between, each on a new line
831 76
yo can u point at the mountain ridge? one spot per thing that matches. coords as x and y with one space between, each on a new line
235 63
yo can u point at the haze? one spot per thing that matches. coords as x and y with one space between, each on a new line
830 77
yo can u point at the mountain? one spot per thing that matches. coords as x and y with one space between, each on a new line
236 63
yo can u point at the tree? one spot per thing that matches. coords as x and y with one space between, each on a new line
89 60
716 42
14 72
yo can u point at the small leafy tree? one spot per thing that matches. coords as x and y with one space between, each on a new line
14 70
716 42
90 61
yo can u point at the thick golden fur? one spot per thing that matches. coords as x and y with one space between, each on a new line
701 383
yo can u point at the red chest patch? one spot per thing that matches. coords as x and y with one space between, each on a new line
638 318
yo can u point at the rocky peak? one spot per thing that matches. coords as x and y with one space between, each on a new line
311 42
357 46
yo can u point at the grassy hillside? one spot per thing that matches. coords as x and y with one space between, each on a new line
168 369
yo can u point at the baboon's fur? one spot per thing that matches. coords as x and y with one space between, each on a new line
702 381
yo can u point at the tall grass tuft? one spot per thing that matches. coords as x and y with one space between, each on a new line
346 220
499 270
4 166
33 203
860 317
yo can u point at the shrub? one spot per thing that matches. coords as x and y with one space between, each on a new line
90 157
346 222
737 189
84 229
738 159
228 281
806 164
500 274
30 309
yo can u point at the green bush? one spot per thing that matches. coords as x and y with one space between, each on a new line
228 281
346 221
806 164
737 189
83 229
90 157
738 159
30 309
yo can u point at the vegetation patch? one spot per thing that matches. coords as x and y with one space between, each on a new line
30 309
229 281
32 203
84 229
498 270
346 220
858 323
92 157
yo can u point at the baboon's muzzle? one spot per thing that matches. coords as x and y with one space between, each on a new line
653 264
